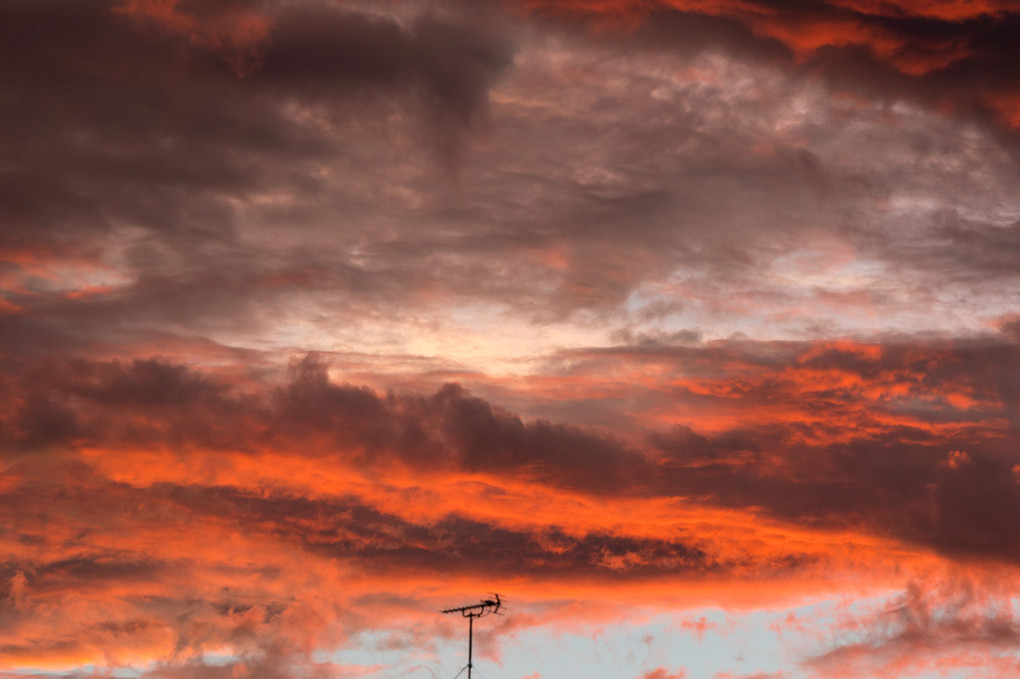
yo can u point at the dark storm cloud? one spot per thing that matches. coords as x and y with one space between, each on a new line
111 120
315 51
898 487
963 59
177 406
225 200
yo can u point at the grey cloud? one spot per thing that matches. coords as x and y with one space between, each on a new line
119 122
965 62
586 200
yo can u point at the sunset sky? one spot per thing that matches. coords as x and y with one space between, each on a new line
691 327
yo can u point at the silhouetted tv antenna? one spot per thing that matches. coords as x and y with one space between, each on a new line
485 607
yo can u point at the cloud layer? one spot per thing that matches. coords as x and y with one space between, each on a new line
674 305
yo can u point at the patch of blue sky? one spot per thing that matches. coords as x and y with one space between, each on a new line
703 643
706 644
384 649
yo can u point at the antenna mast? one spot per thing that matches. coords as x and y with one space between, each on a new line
484 607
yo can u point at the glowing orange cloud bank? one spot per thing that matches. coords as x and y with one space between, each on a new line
163 513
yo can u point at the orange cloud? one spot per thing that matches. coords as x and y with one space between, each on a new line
663 673
166 513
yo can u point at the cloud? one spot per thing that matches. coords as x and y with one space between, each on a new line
302 304
128 115
259 515
951 621
958 58
706 192
825 435
663 673
838 433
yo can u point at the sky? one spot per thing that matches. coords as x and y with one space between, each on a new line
691 327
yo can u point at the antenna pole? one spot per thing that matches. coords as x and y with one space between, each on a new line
485 607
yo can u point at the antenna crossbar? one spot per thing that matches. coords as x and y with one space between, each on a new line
477 610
